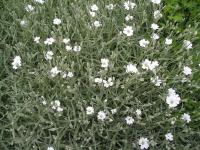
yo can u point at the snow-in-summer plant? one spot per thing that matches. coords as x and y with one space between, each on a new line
98 75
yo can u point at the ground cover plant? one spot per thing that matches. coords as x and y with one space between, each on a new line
107 74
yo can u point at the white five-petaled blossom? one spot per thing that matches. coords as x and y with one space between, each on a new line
157 14
44 102
169 137
187 44
155 36
70 74
149 65
144 43
154 26
114 111
156 1
57 21
104 63
92 14
94 7
128 17
39 1
168 41
55 105
156 81
66 40
77 48
98 80
129 120
138 112
29 8
50 148
128 5
49 41
89 110
128 31
173 99
49 55
97 24
108 83
54 71
23 23
186 117
187 70
131 68
144 143
16 62
101 115
37 39
68 48
110 6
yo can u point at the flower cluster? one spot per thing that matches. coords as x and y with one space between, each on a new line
119 88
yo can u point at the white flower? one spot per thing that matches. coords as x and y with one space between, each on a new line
64 75
94 8
50 148
37 39
156 1
57 21
44 102
129 5
89 110
49 55
128 30
187 44
70 74
77 48
93 14
138 112
101 115
157 14
23 23
16 62
144 43
57 103
68 47
187 70
110 7
29 8
172 99
130 68
66 40
56 106
149 65
155 36
98 80
169 137
104 63
114 111
49 41
39 1
156 81
154 26
59 109
144 143
54 71
129 120
97 24
186 117
108 83
168 41
128 17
